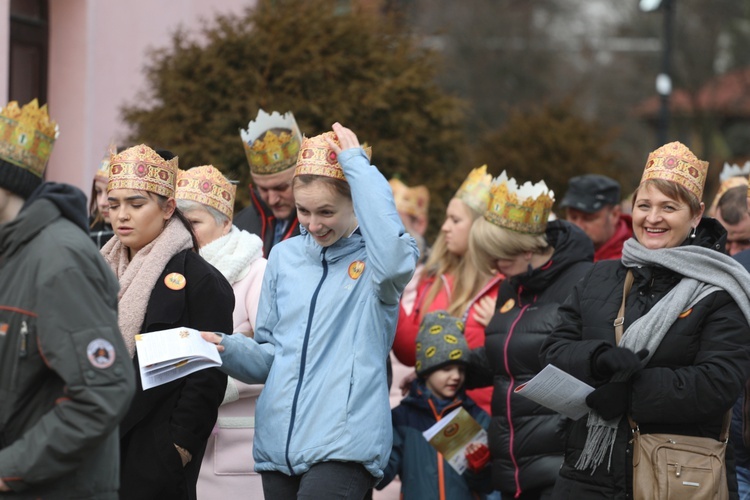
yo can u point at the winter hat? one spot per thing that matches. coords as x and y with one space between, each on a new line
440 342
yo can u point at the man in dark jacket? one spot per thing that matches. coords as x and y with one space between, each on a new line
66 379
271 146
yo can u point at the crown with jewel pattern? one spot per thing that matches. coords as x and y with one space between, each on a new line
317 158
271 142
27 135
413 201
208 186
141 168
523 209
674 162
475 190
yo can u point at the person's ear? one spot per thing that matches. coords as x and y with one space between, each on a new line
169 207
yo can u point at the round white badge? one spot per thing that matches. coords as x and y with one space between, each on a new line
101 353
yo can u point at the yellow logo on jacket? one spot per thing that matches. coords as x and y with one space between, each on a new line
685 314
356 269
507 306
175 281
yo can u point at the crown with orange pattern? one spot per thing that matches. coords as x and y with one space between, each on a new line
271 142
208 186
413 201
141 168
674 162
317 158
27 135
523 209
475 190
102 175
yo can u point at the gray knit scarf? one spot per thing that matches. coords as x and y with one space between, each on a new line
704 271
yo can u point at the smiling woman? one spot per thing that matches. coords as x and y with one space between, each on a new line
683 357
325 324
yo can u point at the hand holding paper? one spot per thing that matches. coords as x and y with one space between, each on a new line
167 355
557 390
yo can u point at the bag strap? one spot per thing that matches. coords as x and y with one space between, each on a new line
620 320
618 324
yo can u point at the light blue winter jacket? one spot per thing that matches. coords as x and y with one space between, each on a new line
323 333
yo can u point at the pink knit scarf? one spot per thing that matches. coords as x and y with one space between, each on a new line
138 277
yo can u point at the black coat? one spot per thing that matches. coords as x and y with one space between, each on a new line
524 437
183 411
258 219
694 376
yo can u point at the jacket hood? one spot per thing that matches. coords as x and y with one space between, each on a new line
709 234
571 247
68 199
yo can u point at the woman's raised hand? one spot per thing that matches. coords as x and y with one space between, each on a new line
346 137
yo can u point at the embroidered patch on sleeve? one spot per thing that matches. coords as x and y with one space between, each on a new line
101 353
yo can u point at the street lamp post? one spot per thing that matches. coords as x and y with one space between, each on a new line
663 79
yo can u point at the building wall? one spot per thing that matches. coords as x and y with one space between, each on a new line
98 50
4 49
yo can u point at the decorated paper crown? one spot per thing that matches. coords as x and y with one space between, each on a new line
102 175
206 185
522 209
317 158
475 191
728 184
674 162
412 201
271 142
26 136
141 168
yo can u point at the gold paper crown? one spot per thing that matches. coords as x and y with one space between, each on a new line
522 209
475 190
102 175
317 158
271 142
412 201
26 136
141 168
674 162
206 185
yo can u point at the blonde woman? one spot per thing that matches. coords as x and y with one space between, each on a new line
450 281
541 262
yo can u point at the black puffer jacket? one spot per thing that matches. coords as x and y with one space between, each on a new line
524 437
694 376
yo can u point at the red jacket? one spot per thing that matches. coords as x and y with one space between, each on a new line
408 326
612 248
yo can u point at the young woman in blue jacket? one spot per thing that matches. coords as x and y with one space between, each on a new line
326 321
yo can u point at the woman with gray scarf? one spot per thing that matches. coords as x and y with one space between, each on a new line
685 352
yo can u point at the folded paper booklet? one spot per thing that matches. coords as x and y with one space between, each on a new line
167 355
452 434
557 390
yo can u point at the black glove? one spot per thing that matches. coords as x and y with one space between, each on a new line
617 359
610 400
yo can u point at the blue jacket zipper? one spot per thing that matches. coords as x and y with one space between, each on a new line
303 359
